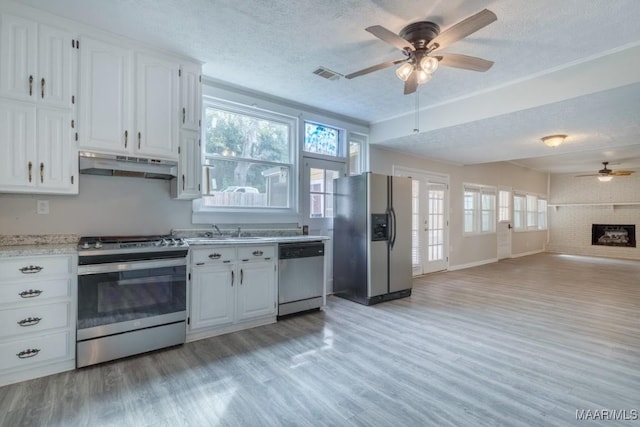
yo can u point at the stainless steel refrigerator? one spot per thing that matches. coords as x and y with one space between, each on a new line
372 238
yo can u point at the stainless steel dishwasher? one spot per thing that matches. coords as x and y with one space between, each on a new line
300 276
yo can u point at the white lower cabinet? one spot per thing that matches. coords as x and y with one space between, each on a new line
37 314
232 288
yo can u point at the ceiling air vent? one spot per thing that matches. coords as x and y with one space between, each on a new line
326 73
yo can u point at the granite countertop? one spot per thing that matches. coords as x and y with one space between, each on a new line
41 244
210 241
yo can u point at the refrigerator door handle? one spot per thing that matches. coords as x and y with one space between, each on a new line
392 238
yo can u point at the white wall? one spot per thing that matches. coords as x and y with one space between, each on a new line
591 202
105 206
470 250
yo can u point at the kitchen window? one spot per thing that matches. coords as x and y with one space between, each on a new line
479 209
247 158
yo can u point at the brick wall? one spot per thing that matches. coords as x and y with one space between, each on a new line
591 202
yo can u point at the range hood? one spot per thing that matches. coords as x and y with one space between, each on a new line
115 165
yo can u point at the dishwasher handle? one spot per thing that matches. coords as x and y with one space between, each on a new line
300 250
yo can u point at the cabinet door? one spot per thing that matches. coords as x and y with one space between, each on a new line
187 185
57 156
156 106
212 296
18 58
256 290
55 76
17 146
104 100
190 96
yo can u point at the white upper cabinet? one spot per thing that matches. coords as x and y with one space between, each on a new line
37 154
190 96
128 102
37 83
187 184
105 97
36 62
156 100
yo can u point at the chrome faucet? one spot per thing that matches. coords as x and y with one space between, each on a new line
217 229
239 232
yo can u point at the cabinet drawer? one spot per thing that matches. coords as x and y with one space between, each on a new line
34 290
26 320
21 354
213 255
35 267
248 253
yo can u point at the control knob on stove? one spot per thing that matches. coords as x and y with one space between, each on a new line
98 245
164 242
85 245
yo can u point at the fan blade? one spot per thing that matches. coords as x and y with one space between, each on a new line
593 174
411 84
462 29
390 37
374 68
465 62
621 173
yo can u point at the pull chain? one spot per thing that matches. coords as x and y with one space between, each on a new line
416 128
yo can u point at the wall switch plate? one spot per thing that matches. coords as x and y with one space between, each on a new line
42 207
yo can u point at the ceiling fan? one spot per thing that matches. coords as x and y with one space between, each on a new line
606 174
419 40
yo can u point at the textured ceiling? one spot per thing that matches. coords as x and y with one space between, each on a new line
273 46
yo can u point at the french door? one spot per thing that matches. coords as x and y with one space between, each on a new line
430 221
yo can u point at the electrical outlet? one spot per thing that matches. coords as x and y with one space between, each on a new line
42 207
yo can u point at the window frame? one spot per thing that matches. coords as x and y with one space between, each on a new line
534 213
293 125
478 209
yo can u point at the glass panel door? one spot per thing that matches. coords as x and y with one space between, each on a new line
436 226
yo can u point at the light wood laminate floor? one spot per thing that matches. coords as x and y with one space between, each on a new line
522 342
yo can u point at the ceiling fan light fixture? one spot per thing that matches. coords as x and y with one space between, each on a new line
605 178
423 76
553 140
404 71
429 64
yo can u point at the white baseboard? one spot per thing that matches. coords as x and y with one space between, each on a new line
538 251
472 264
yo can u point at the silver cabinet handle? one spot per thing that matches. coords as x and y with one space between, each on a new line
30 170
257 253
41 172
30 85
31 269
184 114
126 138
183 183
215 256
232 277
42 88
30 321
31 293
139 138
241 276
30 352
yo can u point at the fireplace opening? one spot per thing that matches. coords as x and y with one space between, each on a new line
620 235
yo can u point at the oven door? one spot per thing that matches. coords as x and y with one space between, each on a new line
120 297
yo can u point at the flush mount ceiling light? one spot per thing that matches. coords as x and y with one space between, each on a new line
605 178
554 140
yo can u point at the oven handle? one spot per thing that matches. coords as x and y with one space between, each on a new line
128 266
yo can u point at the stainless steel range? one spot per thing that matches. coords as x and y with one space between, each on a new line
131 296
